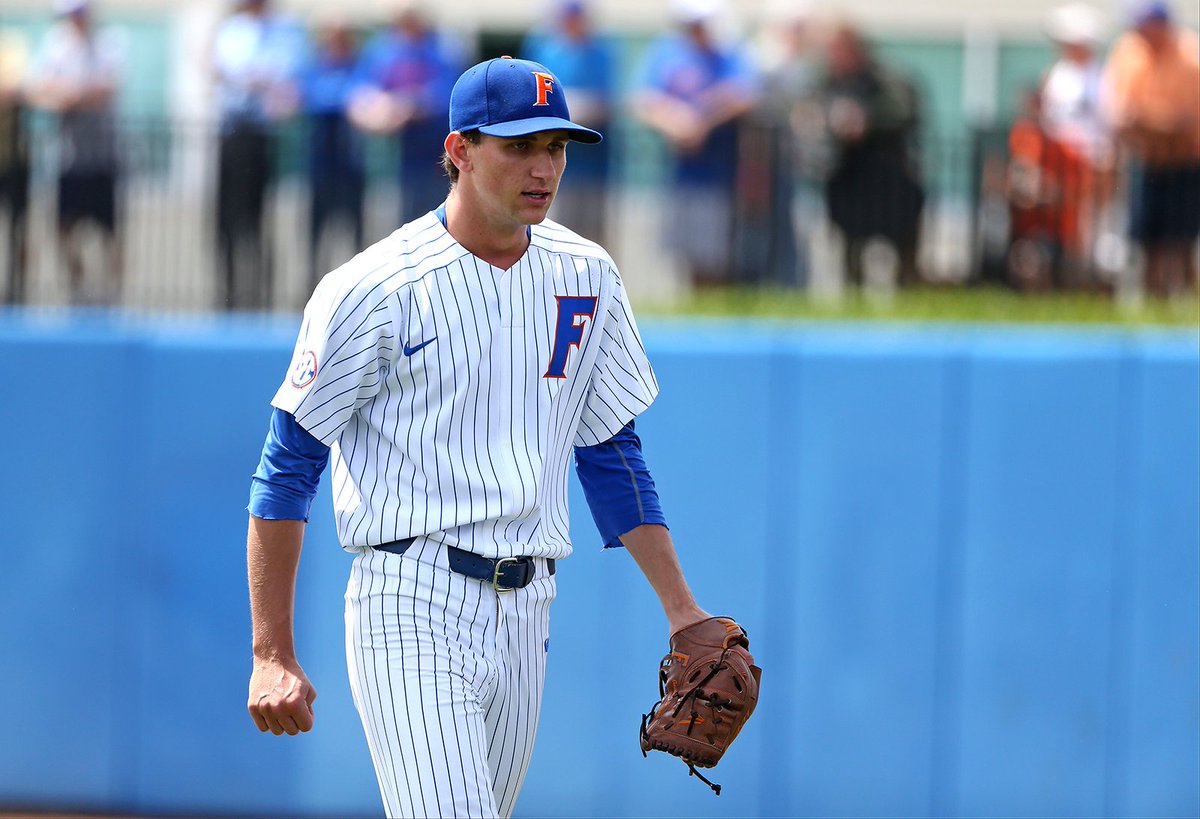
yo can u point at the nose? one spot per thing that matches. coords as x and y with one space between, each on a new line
543 166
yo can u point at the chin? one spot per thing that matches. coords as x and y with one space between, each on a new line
535 216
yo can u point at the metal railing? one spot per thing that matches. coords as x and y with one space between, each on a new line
980 222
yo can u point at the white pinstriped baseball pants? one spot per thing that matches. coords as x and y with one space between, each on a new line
447 677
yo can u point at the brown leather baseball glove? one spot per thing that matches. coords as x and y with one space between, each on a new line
708 687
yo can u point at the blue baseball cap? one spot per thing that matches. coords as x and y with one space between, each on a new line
510 98
1151 12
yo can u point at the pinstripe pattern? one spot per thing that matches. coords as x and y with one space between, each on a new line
447 677
463 440
422 367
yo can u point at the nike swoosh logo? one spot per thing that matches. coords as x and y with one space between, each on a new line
410 350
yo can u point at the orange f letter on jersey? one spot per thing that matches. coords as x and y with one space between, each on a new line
545 85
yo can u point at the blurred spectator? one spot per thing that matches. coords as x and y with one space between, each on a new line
337 177
1072 118
874 189
1044 191
14 164
254 63
408 71
789 150
1071 88
583 62
76 75
1153 81
693 90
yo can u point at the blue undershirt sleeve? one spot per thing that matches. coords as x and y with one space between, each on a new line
618 486
285 483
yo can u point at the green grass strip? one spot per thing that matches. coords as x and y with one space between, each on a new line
968 304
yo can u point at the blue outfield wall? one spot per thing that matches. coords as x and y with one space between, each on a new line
967 559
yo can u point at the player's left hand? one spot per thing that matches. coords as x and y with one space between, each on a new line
708 688
281 697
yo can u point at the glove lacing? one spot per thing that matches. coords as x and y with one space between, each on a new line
693 693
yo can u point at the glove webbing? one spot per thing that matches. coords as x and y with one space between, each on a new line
719 665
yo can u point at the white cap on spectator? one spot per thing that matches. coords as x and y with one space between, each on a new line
696 11
65 7
1075 24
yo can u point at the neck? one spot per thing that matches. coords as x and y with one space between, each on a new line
499 246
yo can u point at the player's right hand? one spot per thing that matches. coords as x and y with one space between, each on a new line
281 697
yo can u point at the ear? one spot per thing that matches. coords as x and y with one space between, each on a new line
459 150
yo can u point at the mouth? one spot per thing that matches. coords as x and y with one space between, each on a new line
537 196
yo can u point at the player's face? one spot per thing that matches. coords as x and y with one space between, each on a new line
516 179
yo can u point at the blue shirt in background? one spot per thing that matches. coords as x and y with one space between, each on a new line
335 145
421 70
585 70
677 67
254 57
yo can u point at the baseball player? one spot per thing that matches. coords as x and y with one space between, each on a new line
449 372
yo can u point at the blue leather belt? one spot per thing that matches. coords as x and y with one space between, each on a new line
504 573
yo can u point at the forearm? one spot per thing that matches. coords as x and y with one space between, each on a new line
281 697
726 104
272 560
665 113
652 548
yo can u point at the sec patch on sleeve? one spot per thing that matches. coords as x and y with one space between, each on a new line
304 370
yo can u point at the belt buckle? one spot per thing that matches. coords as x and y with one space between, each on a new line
499 568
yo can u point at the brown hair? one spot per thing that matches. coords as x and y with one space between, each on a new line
473 136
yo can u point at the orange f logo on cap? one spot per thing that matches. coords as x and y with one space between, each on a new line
545 85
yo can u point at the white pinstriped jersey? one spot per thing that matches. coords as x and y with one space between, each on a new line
452 392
